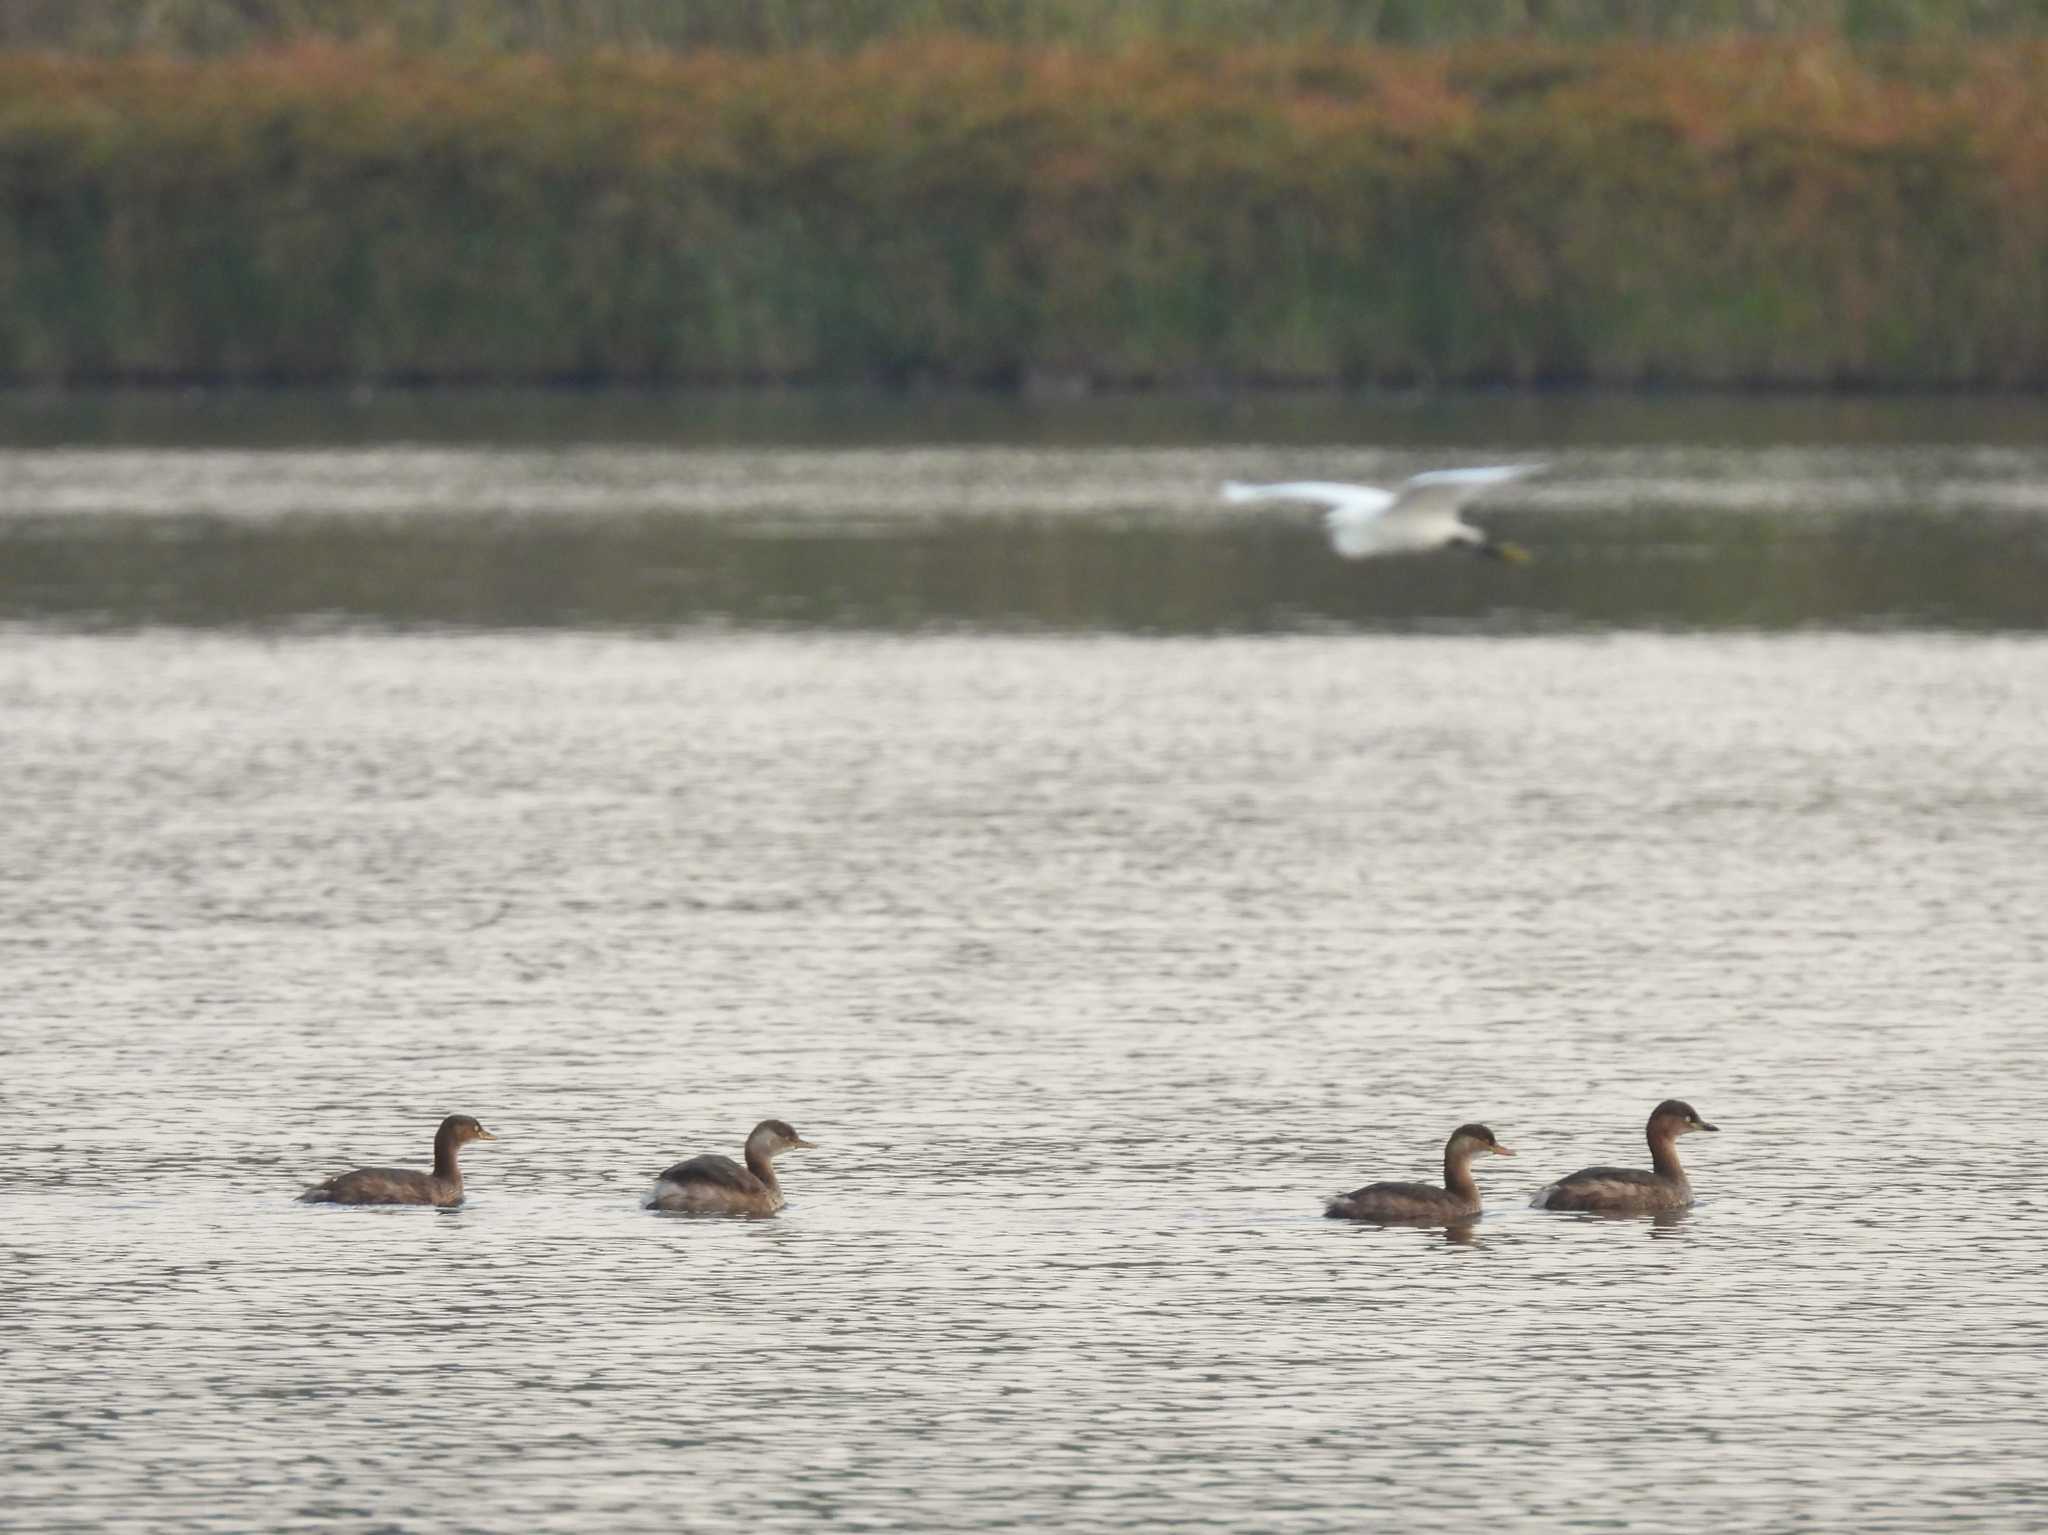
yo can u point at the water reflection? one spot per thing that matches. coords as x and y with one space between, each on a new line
1663 1224
521 512
1058 572
1461 1233
310 418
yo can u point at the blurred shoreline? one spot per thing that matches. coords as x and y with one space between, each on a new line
950 212
1538 421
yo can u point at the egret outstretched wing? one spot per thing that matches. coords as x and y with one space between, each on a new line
1366 500
1445 492
1348 510
1363 520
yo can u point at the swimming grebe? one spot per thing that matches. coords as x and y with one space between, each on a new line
1424 1204
716 1185
1630 1190
401 1185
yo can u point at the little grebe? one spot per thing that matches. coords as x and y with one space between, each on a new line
1424 1204
716 1185
1630 1190
401 1185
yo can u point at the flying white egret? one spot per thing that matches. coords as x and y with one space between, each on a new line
1363 520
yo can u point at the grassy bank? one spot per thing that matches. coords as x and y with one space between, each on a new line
1736 212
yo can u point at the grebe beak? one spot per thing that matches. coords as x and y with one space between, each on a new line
800 1144
1502 1151
484 1135
1701 1124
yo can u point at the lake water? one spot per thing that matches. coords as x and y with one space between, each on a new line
1101 877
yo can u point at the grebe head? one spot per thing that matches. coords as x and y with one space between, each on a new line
1472 1139
460 1130
1675 1117
772 1137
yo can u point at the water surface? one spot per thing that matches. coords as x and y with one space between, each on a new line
1088 516
1095 927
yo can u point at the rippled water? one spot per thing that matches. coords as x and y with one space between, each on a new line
1092 949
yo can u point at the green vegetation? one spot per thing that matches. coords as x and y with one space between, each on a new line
1739 211
215 26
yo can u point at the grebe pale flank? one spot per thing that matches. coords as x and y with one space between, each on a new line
1630 1190
1424 1204
401 1185
715 1185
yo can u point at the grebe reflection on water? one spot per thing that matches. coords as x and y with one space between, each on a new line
1631 1190
1424 1204
401 1185
716 1185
